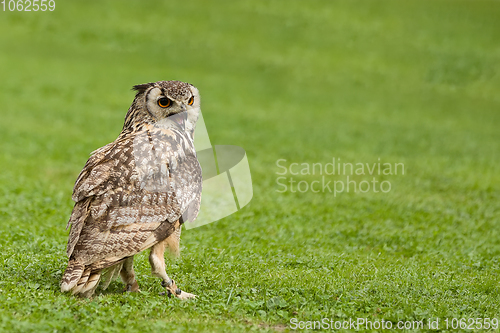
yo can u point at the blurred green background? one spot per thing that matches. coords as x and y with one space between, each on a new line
413 82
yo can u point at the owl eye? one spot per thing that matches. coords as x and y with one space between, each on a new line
164 102
191 100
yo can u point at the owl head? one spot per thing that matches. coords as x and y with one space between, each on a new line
167 103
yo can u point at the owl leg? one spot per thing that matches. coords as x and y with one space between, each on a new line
172 243
157 261
128 275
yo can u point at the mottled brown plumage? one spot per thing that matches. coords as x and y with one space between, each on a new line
135 193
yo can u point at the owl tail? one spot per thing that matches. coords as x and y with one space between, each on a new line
71 275
80 280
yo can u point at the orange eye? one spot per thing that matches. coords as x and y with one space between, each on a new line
164 102
191 101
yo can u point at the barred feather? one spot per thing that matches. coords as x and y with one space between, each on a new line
72 275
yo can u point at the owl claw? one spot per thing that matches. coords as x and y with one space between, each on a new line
132 288
177 292
184 295
166 284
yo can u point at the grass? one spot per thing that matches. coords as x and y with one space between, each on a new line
413 82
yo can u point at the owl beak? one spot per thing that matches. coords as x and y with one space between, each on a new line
179 118
183 107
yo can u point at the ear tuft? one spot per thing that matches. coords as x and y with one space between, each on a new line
140 88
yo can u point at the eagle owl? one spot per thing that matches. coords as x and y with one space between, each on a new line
136 192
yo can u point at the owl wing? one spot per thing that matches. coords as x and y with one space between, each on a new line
129 192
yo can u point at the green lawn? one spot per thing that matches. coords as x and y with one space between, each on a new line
412 82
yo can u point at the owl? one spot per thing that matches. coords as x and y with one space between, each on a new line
136 192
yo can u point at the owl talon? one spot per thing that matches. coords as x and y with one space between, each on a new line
129 290
184 295
167 293
132 288
177 292
166 284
